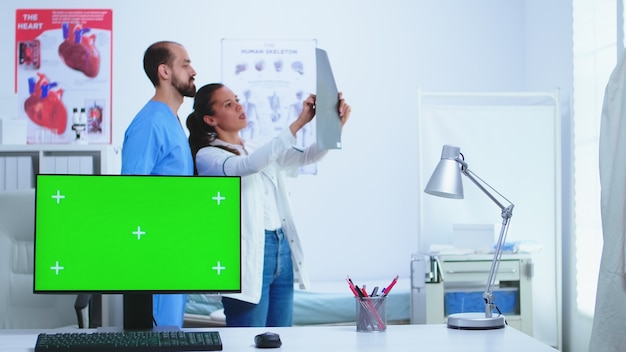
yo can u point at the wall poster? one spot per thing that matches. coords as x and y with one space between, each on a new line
63 61
271 78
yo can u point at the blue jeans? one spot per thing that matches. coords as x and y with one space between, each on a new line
276 305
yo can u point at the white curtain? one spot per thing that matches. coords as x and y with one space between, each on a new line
610 313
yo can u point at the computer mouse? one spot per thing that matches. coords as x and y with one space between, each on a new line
267 340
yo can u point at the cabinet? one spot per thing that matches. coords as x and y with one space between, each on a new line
20 163
464 277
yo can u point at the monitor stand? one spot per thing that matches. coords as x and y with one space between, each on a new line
138 314
138 311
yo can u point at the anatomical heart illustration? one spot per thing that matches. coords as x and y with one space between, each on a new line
63 63
78 50
29 54
44 106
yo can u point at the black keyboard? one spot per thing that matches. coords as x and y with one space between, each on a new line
157 341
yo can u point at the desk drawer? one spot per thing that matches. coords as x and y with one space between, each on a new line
465 271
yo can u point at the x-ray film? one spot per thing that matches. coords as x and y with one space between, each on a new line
328 123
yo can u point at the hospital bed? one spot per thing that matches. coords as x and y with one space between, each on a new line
326 303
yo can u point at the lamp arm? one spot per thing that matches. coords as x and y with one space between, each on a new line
507 213
488 296
469 174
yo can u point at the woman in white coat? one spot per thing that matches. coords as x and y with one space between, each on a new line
271 251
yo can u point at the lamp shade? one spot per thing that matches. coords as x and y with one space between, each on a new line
446 179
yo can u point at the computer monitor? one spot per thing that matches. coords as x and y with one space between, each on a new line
137 235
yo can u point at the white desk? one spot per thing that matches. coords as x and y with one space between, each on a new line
397 338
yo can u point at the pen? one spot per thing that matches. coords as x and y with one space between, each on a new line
388 288
350 281
374 292
352 288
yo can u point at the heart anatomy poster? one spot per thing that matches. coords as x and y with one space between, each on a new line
63 74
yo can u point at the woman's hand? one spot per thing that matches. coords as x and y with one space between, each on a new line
344 110
307 114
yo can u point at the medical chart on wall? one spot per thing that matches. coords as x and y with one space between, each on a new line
63 74
272 78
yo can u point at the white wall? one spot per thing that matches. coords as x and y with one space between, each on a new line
358 216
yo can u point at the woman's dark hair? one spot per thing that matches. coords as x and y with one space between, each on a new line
202 134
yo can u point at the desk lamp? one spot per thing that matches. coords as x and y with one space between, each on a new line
446 182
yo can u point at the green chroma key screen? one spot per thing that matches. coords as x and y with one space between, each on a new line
137 233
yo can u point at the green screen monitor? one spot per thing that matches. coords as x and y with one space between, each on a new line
137 235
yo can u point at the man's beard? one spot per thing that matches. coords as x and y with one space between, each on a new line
186 90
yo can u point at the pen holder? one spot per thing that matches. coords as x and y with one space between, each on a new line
371 314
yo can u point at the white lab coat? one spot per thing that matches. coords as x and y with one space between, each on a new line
609 324
276 159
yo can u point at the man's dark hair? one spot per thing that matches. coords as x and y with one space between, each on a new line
157 54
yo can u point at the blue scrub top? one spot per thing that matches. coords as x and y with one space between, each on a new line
156 144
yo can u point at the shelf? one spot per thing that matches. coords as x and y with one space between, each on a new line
469 273
20 163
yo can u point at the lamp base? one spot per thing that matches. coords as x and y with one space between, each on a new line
475 321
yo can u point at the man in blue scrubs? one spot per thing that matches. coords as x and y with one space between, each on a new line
156 144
